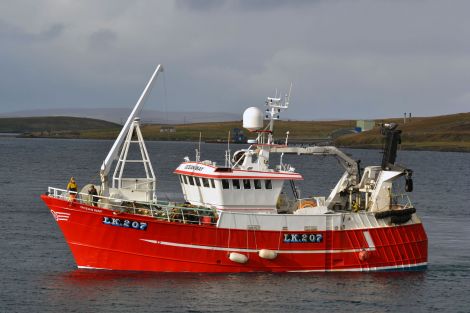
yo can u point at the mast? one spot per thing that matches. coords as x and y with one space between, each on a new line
274 107
113 153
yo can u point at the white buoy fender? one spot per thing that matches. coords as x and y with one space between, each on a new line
238 257
267 254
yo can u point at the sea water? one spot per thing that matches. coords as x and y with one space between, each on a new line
38 274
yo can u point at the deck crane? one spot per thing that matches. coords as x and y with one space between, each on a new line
123 141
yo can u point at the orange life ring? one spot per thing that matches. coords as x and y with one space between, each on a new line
307 204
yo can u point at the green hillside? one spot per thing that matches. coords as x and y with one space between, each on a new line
298 130
54 124
445 132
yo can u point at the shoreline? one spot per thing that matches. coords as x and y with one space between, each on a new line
405 146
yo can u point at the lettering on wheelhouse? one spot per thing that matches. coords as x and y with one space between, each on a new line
112 221
193 167
303 238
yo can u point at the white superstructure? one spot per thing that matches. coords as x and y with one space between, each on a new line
247 183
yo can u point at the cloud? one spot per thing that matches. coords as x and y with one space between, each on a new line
200 5
103 38
14 33
248 5
346 59
243 5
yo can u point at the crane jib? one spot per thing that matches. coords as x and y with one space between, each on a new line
106 166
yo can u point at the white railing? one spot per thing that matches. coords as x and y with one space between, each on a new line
398 201
402 200
163 210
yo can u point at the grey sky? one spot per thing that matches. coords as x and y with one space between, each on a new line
346 59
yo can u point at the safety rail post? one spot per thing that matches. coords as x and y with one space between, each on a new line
167 214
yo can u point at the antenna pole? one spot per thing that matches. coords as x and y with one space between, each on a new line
227 153
200 137
198 150
288 97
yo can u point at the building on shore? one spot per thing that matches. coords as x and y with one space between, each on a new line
364 125
167 129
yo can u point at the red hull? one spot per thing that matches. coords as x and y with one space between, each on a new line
175 247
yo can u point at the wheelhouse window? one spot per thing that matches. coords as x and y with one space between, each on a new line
212 183
236 184
185 180
257 183
181 178
225 184
246 184
205 182
268 184
198 182
191 180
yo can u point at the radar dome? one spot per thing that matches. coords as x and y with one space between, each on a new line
253 119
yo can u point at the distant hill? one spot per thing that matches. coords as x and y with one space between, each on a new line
119 115
52 124
445 132
299 131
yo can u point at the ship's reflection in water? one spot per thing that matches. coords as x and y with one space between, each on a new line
170 292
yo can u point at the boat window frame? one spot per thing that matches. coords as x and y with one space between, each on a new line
205 182
225 183
268 184
191 180
212 182
246 182
237 186
257 184
198 181
185 179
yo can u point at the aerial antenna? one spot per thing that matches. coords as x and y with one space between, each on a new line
274 106
227 153
165 98
288 96
198 151
228 141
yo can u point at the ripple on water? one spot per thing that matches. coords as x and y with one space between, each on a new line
38 273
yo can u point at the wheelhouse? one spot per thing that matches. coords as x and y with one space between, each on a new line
230 189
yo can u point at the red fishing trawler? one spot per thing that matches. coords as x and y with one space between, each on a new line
235 217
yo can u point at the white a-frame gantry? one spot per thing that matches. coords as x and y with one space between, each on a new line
134 189
142 189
